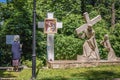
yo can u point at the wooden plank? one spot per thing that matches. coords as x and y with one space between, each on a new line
59 25
50 47
40 24
86 16
95 20
92 22
81 28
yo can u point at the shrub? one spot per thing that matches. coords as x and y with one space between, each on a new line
28 63
67 47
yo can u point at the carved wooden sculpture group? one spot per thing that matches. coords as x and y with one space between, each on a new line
90 48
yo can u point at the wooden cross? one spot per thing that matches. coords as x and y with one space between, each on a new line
88 21
50 37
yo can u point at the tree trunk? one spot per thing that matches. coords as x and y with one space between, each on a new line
83 6
113 15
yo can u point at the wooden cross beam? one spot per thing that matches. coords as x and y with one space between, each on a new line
88 21
49 16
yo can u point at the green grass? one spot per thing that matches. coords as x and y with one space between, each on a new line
91 73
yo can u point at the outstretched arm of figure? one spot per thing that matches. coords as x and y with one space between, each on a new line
21 47
93 34
102 42
108 46
81 35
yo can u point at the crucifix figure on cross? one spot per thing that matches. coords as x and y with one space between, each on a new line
90 49
50 26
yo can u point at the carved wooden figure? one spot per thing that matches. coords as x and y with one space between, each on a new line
107 45
90 49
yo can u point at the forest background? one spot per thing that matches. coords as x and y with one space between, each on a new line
16 19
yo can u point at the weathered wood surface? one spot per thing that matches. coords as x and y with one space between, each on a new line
88 21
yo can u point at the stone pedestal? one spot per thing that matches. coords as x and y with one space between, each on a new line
82 58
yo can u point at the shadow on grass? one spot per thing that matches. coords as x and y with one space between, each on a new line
38 69
97 75
56 78
88 75
37 72
63 78
6 74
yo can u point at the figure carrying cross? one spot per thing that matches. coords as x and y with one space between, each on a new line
90 49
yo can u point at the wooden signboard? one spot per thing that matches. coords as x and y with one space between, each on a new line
9 39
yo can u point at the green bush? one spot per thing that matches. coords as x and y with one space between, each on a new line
115 39
67 47
28 63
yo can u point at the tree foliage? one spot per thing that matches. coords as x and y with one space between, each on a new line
17 16
67 47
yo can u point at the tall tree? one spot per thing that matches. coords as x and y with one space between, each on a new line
113 15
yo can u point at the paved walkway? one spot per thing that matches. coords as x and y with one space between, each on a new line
10 68
8 79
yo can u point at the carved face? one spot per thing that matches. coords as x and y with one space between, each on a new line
106 37
89 28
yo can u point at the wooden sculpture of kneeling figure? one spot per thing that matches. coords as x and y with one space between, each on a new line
107 45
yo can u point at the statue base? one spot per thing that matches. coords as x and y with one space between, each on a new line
79 63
